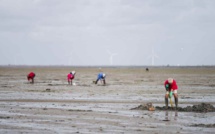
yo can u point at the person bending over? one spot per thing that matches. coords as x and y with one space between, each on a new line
171 88
30 77
101 77
70 77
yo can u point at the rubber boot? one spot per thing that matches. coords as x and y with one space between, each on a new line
166 102
96 81
176 102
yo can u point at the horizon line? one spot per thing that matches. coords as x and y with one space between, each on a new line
112 66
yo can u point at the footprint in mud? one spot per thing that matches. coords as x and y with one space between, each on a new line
9 86
54 84
48 89
2 117
103 85
183 97
165 120
78 110
84 85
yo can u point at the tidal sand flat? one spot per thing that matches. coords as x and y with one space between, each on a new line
50 105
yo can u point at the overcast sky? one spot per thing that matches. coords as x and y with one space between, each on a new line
85 32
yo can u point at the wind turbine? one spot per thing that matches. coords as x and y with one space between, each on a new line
111 56
153 56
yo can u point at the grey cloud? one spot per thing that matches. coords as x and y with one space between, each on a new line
82 30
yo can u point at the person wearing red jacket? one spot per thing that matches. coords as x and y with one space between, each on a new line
171 88
70 77
30 77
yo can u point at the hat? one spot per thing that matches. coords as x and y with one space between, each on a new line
103 75
170 80
73 72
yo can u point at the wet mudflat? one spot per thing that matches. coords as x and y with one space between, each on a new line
52 106
201 108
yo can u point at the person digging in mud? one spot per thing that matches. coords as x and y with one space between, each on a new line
171 88
30 77
70 77
101 77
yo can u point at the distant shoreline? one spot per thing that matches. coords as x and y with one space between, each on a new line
106 66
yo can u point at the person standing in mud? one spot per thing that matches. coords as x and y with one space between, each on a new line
171 88
70 77
30 77
101 77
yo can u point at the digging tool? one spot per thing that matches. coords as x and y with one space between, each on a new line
170 98
171 102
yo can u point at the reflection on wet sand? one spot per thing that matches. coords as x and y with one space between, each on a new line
168 116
